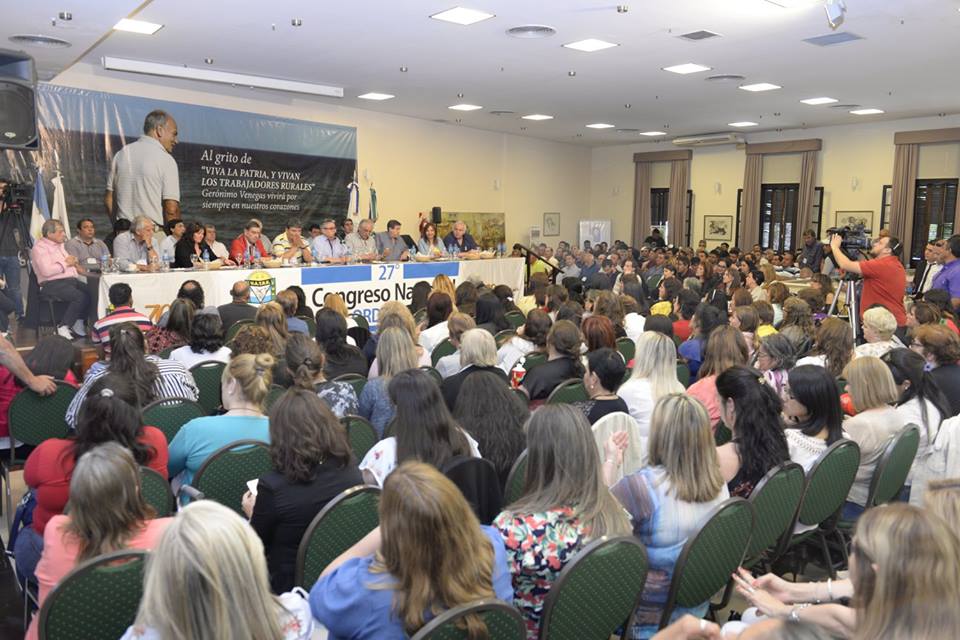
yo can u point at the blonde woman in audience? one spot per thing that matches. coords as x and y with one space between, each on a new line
871 387
668 499
458 323
244 386
397 352
396 314
903 582
107 513
833 348
337 303
207 578
879 326
654 376
565 505
726 348
532 336
943 499
443 284
429 553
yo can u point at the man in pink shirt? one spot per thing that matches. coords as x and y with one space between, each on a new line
58 278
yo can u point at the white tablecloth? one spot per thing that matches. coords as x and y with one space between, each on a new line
364 287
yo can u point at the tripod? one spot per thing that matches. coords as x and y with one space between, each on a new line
849 284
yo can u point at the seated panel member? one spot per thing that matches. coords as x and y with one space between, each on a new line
390 245
86 247
57 275
327 246
291 244
362 244
137 246
248 246
459 238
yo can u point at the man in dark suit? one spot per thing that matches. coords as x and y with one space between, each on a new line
240 308
928 268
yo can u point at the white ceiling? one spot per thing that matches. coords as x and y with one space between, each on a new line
905 65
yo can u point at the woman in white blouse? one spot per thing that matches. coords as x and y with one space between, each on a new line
654 376
812 413
532 336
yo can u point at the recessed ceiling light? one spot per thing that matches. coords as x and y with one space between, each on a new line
760 86
466 107
208 60
686 68
296 22
460 15
866 112
373 95
653 133
537 116
600 125
816 101
590 45
137 26
742 124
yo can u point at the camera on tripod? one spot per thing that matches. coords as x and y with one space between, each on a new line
855 239
17 197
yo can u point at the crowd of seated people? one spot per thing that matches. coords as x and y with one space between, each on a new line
725 365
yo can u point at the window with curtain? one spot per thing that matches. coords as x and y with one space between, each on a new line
934 205
778 215
885 202
816 217
658 209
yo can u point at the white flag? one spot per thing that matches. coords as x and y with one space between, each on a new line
60 203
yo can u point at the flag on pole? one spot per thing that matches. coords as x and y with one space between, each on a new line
353 199
373 203
41 211
60 203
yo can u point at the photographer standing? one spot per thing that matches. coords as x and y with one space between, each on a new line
884 278
9 259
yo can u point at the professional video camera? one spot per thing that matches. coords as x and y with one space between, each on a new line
855 239
17 197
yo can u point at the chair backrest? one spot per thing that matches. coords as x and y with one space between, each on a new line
341 524
534 359
568 392
597 591
479 483
520 394
207 375
503 622
361 434
502 337
515 318
829 482
710 556
311 325
165 354
516 479
360 335
224 475
420 315
170 414
273 395
443 348
98 599
156 492
235 329
722 434
894 466
776 501
360 320
35 418
433 374
627 348
683 374
635 455
355 380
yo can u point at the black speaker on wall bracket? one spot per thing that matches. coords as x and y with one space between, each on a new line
18 101
435 215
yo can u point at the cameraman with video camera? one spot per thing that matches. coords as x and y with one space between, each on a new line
10 239
884 278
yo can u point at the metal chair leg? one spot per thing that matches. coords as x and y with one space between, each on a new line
826 555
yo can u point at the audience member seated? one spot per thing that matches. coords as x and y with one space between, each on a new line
565 505
775 358
812 413
271 317
121 299
137 249
633 320
798 325
336 302
747 321
312 464
669 499
251 339
605 371
833 349
176 331
686 305
466 298
422 429
443 284
305 362
870 385
395 314
532 336
725 348
303 309
751 410
563 361
110 414
940 347
490 316
705 319
429 553
207 578
289 303
340 357
244 387
879 326
107 513
493 415
239 308
505 295
397 353
206 342
654 376
598 333
152 376
478 352
59 280
435 330
608 305
556 296
457 324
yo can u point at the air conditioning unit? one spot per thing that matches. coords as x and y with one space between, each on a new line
709 140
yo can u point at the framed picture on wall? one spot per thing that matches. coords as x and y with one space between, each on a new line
718 228
854 218
551 224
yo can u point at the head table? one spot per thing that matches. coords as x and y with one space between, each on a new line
364 287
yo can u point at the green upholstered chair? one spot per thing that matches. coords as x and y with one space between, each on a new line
516 479
502 337
443 348
534 359
235 329
627 348
516 319
360 320
568 392
170 414
311 325
355 380
433 374
361 434
207 375
273 395
224 475
503 622
156 492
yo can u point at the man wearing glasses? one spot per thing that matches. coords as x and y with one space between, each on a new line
327 246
